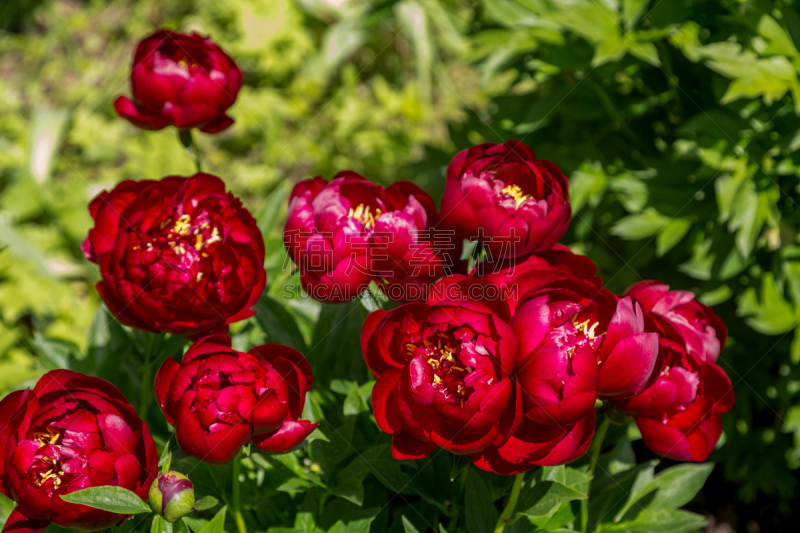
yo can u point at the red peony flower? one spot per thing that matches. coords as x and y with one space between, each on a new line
444 372
679 416
348 232
502 195
69 433
564 319
680 316
182 80
178 255
219 399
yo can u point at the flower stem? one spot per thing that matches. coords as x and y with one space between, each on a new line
508 511
147 375
185 136
237 499
594 454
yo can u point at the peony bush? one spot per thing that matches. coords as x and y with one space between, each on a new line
508 381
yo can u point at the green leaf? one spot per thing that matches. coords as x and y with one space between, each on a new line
632 10
108 498
675 230
670 489
481 514
408 527
774 315
777 41
630 191
205 503
268 216
663 521
216 524
586 186
545 497
195 524
159 525
372 297
279 325
641 225
350 519
335 351
166 458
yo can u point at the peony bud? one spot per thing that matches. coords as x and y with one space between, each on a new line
172 496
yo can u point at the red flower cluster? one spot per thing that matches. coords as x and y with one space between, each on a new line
347 232
219 399
507 368
181 80
507 365
179 255
69 433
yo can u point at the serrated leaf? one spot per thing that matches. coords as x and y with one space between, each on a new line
108 498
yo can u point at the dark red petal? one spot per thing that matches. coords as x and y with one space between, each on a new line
137 115
215 448
629 365
217 125
290 435
162 383
404 446
19 523
268 413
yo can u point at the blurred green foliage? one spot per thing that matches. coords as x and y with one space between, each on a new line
676 120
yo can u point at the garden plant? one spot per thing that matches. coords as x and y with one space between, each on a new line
405 266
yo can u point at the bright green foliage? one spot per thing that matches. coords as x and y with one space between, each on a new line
677 122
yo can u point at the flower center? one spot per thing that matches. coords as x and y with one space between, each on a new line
515 192
51 435
449 374
586 329
47 471
185 241
362 214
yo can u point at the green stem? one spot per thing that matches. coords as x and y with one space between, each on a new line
594 454
187 141
147 376
237 499
508 511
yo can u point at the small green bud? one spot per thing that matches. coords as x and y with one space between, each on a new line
172 496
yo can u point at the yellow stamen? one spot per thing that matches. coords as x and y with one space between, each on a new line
515 192
362 214
214 237
183 225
